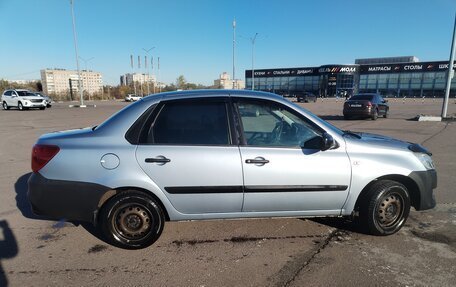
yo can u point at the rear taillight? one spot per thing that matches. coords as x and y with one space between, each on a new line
42 154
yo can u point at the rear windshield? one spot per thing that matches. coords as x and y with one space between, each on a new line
362 97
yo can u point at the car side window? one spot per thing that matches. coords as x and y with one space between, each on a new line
269 124
8 93
191 123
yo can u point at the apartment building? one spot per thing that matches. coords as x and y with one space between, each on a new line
59 82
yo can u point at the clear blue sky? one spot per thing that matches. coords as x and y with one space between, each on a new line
194 37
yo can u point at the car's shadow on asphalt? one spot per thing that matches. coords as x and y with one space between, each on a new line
332 117
21 197
341 223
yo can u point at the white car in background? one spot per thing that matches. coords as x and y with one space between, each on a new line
22 99
132 98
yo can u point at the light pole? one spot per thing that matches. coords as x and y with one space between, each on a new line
234 46
147 70
87 75
450 72
253 60
77 58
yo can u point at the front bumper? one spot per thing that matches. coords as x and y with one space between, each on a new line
426 182
34 105
70 200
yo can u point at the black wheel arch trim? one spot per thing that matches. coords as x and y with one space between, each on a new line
420 185
74 200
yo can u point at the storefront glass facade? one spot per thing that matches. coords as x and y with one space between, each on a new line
417 79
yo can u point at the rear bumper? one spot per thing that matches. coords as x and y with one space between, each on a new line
358 113
59 199
426 182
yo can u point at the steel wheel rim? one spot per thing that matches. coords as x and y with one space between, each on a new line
390 209
132 221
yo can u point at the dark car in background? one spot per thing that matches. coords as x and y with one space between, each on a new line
366 106
306 97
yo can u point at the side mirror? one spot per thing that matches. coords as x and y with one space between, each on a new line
328 142
323 142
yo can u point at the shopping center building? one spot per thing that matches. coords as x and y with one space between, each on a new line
391 77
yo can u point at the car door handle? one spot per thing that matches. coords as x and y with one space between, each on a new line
258 160
159 159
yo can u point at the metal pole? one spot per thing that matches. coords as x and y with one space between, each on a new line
234 45
147 70
87 86
158 74
253 59
450 72
81 95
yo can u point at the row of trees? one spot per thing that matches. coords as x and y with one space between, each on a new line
109 92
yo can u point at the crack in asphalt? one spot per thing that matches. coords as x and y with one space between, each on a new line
242 239
288 273
436 134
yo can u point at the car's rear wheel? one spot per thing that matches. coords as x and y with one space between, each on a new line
385 208
132 220
374 114
5 106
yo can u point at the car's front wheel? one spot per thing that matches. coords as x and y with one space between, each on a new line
132 220
386 113
385 208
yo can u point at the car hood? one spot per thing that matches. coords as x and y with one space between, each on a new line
31 98
378 142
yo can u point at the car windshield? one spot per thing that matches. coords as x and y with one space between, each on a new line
24 94
362 98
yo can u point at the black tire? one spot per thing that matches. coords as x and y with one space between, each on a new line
386 113
374 114
20 106
385 208
5 106
346 117
131 220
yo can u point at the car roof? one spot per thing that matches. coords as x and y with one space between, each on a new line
211 93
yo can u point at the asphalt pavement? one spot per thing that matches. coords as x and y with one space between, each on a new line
255 252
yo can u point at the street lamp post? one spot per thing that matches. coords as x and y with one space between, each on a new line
77 58
234 45
450 72
253 60
147 70
87 80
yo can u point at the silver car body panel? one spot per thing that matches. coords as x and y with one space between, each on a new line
352 165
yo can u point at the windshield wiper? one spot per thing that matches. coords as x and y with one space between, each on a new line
350 133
